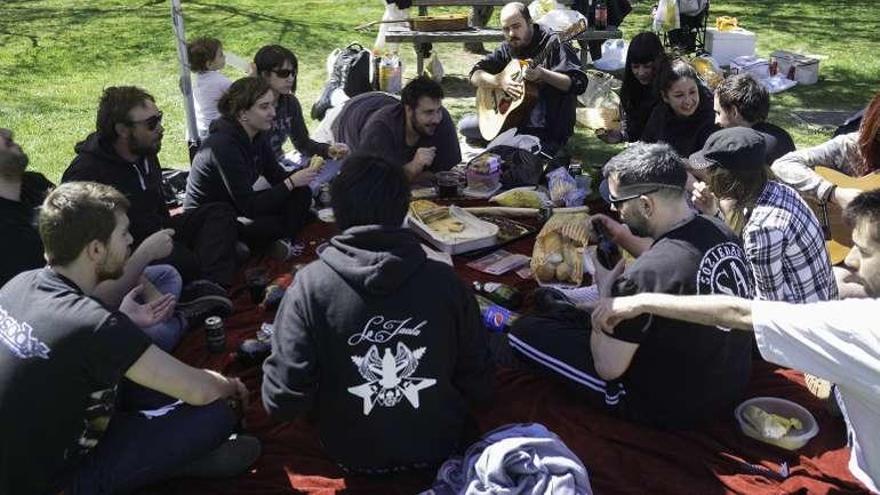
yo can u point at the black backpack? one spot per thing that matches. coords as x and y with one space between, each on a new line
519 167
351 72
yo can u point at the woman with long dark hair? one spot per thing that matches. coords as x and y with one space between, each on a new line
855 154
279 67
645 58
232 159
685 118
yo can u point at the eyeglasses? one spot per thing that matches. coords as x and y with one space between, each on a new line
151 123
284 73
616 202
651 188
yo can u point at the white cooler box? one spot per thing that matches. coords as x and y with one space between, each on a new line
727 45
805 70
758 67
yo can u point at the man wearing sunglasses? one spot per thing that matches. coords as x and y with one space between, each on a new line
123 153
656 370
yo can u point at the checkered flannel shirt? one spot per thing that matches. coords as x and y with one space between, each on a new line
786 249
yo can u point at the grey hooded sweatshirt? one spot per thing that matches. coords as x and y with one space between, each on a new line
387 345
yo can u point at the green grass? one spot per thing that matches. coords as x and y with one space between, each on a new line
56 56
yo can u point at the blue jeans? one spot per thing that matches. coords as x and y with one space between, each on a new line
136 451
167 334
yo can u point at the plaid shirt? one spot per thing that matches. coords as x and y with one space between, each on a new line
785 246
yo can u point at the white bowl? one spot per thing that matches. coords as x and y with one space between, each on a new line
796 437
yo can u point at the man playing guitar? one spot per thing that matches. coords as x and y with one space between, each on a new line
558 79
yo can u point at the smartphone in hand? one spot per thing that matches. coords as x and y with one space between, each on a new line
607 252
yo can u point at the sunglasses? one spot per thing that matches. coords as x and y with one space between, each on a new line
150 123
284 73
617 201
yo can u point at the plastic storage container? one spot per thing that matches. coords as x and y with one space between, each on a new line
483 175
727 45
795 438
477 234
758 67
797 67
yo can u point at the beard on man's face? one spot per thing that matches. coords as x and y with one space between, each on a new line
12 165
638 224
139 148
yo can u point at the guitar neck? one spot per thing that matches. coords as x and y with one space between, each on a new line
538 60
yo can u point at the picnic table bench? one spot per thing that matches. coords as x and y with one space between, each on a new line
422 40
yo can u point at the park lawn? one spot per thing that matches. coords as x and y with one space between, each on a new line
56 56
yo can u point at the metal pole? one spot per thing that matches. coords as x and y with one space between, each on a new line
185 83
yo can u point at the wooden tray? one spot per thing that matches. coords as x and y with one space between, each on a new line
443 22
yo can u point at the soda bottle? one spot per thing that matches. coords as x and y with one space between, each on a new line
601 15
495 318
500 293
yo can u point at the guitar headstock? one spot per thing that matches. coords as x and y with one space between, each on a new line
573 31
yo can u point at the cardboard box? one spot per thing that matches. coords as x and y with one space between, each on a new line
727 45
797 67
758 67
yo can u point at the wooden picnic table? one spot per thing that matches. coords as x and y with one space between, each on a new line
422 39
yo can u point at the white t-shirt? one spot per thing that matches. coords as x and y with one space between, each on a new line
208 88
839 341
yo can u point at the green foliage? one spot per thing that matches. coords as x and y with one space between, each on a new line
56 56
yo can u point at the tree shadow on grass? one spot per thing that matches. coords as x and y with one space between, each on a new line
457 87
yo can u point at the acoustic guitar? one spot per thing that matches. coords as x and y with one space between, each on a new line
497 111
837 234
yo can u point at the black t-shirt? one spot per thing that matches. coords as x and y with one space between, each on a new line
682 373
780 144
62 355
376 122
23 250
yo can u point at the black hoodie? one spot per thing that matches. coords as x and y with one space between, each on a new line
685 134
140 182
387 344
559 110
226 167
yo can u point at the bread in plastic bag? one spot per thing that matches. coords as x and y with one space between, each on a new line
558 255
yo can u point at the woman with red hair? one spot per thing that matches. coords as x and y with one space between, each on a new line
855 154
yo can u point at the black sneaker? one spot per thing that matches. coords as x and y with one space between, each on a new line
232 458
202 298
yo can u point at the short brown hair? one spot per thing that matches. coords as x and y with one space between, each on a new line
747 95
114 106
241 95
201 52
75 214
865 208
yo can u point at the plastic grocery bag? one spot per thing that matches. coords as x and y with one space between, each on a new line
540 8
392 13
560 19
434 68
613 55
600 102
666 16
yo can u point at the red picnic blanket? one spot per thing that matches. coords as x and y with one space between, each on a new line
621 457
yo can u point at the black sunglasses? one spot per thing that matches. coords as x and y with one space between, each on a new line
151 123
283 73
615 202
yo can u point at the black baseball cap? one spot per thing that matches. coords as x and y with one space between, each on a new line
739 148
